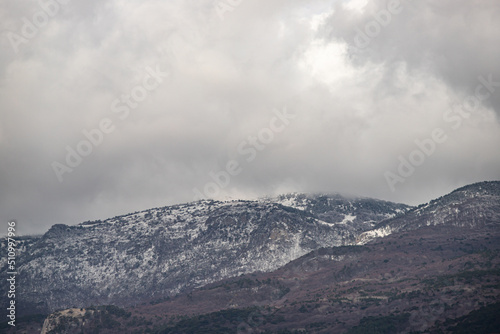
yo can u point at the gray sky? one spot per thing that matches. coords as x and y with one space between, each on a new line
268 97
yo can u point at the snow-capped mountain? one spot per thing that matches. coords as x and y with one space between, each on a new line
357 212
164 251
475 205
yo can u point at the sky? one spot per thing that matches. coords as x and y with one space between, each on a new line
109 107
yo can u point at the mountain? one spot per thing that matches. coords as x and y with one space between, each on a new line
436 279
296 263
475 205
355 212
165 251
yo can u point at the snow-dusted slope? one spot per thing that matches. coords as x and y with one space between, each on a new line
360 213
164 251
472 206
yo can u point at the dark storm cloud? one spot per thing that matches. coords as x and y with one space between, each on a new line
221 82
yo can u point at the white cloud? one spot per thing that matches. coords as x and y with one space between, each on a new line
357 110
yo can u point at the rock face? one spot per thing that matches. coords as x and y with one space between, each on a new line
65 321
165 251
81 320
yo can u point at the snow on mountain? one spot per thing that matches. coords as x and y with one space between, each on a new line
164 251
475 205
337 209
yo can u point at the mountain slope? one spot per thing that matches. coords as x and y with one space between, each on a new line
406 282
165 251
358 213
293 267
472 206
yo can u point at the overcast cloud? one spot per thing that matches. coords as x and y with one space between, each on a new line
335 108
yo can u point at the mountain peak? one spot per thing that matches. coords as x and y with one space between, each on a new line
475 205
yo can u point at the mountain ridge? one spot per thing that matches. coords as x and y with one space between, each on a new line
474 204
168 250
165 251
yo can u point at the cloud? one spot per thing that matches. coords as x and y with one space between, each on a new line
357 109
